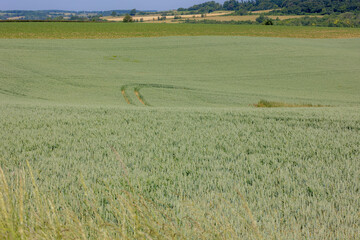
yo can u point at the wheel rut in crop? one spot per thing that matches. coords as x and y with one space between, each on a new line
140 97
16 94
126 97
11 93
137 87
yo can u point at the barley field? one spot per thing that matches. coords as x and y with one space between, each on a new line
179 137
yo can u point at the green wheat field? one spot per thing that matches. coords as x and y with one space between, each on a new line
179 137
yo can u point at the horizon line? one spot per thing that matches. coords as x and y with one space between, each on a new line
138 10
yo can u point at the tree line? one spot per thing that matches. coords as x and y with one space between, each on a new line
299 7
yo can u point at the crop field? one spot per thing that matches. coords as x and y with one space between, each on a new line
178 137
111 30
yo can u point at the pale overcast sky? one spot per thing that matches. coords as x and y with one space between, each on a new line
97 5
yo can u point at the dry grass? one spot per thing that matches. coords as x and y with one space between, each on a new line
269 104
263 11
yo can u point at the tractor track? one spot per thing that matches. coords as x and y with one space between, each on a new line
125 96
138 87
138 95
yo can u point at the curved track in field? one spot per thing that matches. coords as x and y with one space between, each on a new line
137 87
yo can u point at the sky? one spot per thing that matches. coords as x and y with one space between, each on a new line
93 5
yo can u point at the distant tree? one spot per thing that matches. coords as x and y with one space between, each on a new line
299 7
242 12
128 18
231 5
268 22
133 12
205 7
113 14
261 18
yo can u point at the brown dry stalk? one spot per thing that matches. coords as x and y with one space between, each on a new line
251 216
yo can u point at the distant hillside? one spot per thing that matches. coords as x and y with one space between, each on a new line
62 14
299 7
320 6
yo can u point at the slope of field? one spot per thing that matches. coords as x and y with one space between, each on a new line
58 30
179 71
158 138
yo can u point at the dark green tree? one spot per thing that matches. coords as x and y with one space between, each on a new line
268 22
127 19
133 12
231 5
242 12
261 18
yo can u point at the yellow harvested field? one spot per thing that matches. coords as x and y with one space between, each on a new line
16 18
263 11
151 18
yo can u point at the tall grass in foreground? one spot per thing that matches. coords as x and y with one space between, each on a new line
30 214
297 169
